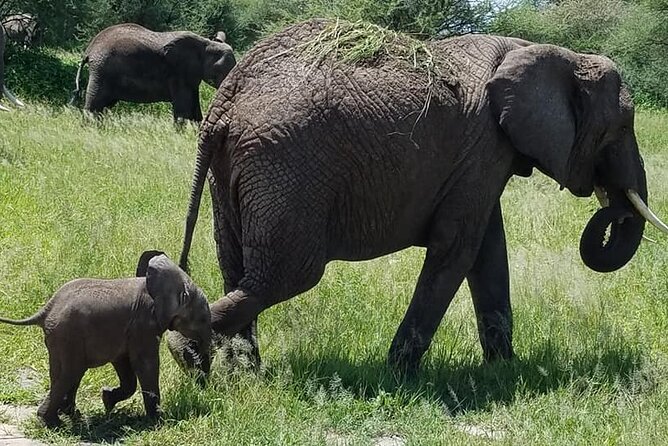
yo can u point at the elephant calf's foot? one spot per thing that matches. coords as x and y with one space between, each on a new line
50 420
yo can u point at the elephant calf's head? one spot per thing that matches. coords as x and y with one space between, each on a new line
179 304
571 116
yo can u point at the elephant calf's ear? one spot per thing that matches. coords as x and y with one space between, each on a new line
531 95
142 264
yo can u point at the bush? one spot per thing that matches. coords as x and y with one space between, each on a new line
634 35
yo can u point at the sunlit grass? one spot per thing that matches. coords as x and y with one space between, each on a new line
80 198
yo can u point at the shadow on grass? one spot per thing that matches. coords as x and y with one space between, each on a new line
38 74
478 386
111 428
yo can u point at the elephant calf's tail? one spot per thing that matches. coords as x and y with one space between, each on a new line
77 89
211 136
35 319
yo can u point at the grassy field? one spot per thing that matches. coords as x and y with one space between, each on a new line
81 199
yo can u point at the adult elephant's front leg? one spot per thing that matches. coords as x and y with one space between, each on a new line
490 290
450 255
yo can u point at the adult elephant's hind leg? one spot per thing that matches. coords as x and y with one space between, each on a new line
490 290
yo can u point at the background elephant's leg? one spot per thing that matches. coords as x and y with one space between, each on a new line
98 96
490 290
185 103
126 388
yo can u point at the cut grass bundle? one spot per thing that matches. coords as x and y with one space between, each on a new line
363 43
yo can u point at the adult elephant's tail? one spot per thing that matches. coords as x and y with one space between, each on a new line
211 136
76 93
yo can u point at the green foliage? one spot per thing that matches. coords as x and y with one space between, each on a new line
41 74
634 35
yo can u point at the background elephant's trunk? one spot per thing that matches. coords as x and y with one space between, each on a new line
613 234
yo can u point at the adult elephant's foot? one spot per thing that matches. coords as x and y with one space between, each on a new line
404 357
496 335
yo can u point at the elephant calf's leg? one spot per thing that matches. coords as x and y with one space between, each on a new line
69 406
490 290
126 388
148 371
68 377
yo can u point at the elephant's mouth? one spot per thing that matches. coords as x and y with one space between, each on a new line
614 232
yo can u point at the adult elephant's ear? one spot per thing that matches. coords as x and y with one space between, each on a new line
532 95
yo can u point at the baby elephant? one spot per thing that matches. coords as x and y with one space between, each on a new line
90 322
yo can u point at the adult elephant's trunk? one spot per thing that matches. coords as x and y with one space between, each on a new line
611 236
614 232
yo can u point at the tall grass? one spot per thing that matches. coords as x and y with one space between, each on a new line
85 199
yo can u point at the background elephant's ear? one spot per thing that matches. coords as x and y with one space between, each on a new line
532 95
184 54
220 37
167 284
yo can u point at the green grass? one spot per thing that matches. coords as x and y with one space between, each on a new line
85 199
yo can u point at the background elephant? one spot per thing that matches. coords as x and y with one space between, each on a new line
3 88
21 28
313 158
128 62
90 322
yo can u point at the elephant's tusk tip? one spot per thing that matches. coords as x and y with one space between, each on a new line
645 211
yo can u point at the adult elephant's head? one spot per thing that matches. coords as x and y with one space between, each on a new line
218 60
570 115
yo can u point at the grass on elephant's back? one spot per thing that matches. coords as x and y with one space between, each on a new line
84 200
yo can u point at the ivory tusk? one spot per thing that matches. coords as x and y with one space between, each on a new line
601 196
3 108
14 100
645 211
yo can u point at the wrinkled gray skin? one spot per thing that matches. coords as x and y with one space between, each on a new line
128 62
91 322
21 28
311 162
4 91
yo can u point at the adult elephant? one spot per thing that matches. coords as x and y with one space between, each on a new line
314 158
4 91
128 62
